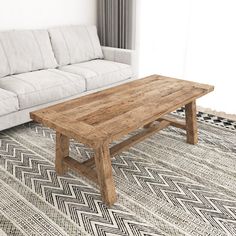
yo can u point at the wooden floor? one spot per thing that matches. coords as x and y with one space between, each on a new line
100 118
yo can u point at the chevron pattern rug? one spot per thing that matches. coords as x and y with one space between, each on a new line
164 186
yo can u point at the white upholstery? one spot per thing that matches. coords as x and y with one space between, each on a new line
43 86
8 102
29 80
100 73
24 51
74 44
118 55
22 116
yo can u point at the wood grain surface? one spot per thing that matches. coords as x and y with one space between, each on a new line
102 117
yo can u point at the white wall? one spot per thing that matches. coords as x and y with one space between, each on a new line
193 40
211 53
162 36
33 14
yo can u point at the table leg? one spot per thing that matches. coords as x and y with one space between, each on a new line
62 151
191 122
104 173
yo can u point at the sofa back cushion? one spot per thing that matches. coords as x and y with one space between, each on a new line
25 50
74 44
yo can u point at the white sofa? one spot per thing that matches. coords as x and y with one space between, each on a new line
39 68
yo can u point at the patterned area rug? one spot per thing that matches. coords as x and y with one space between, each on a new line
164 186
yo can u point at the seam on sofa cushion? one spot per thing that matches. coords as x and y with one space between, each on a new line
8 62
114 71
119 68
18 109
92 77
36 90
109 72
86 68
40 51
83 77
13 97
67 47
13 46
62 75
44 89
26 82
91 42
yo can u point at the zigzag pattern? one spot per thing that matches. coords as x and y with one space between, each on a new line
208 118
76 199
214 208
83 153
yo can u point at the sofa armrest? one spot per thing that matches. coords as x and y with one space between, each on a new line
118 55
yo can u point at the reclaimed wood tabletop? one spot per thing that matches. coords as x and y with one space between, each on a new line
100 118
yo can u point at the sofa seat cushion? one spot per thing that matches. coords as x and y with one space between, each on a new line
8 102
40 87
74 44
24 51
100 73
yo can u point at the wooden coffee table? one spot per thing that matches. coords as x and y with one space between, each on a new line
100 118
